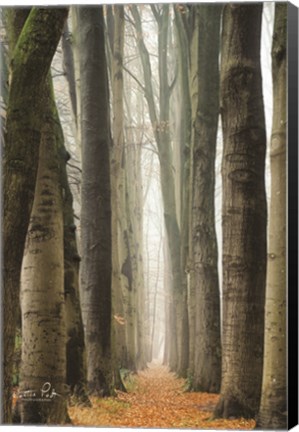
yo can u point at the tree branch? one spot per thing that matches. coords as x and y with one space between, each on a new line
74 166
155 13
171 87
133 76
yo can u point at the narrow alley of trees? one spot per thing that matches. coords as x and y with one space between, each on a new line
142 220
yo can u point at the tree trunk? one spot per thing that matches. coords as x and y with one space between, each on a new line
76 375
273 408
14 19
96 201
134 205
76 355
183 173
31 62
43 369
75 348
169 316
243 213
204 285
134 210
76 62
156 287
116 30
69 69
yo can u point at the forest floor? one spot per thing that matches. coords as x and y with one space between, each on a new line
156 398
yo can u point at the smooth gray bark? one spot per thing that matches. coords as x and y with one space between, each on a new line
43 366
96 270
273 408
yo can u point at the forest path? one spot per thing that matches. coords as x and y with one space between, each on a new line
157 399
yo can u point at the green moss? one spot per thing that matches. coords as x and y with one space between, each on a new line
17 358
129 379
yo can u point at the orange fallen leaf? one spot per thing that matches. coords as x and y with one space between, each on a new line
158 401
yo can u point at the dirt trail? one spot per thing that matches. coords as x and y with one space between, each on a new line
157 399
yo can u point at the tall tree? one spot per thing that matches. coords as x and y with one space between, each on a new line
243 211
134 204
203 256
43 370
273 408
32 57
75 352
182 138
96 201
115 30
75 347
75 376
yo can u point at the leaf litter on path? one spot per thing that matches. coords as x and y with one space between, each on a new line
158 400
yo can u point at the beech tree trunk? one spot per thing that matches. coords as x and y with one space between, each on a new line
31 62
244 213
96 267
135 230
76 355
203 254
116 33
75 348
273 408
182 135
43 367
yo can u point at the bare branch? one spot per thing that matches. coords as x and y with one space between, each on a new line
155 13
58 75
74 166
151 149
171 87
134 77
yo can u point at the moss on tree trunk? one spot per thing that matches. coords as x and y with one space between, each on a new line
30 64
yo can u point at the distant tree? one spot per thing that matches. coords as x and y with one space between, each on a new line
244 215
115 31
75 44
96 241
273 408
180 108
204 293
37 44
69 68
134 231
159 117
